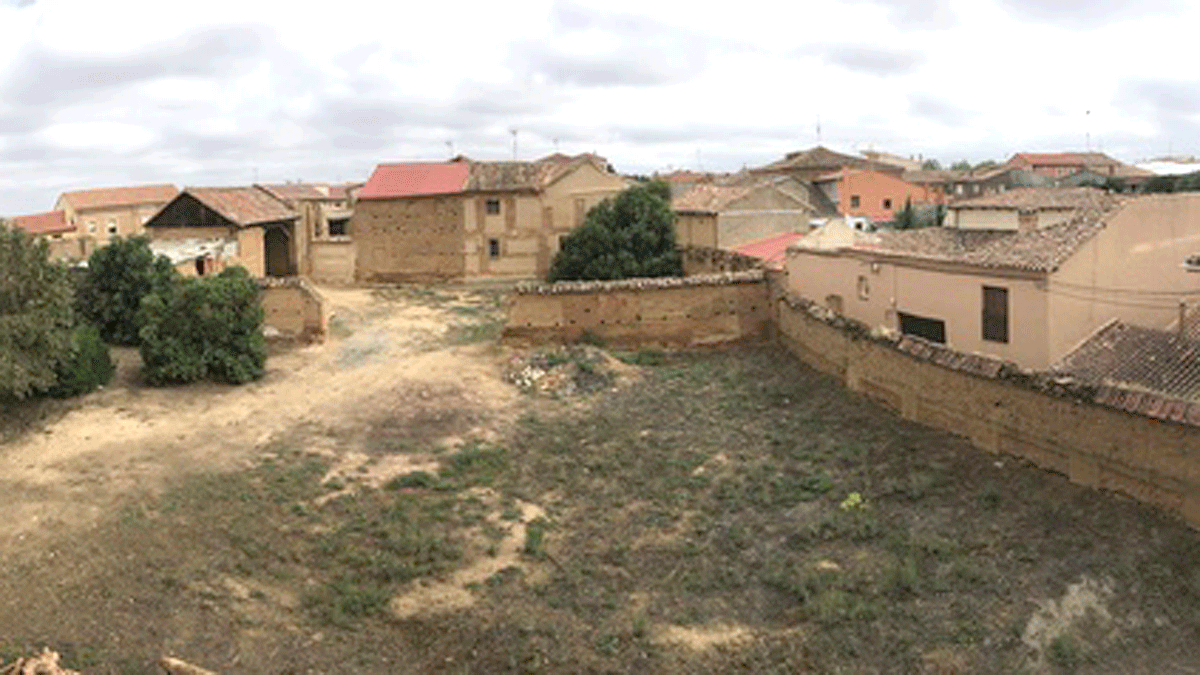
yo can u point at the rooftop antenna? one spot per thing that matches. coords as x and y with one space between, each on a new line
556 146
1087 125
513 131
450 146
818 128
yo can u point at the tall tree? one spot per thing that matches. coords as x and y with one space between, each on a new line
630 235
36 317
118 277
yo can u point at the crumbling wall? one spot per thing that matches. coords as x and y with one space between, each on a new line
294 309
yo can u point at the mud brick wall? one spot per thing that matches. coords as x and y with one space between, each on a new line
1154 458
673 312
294 308
409 239
704 260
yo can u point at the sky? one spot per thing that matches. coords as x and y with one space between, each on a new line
98 93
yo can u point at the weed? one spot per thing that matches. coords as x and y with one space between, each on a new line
588 337
475 464
642 357
535 538
346 600
990 498
1064 653
416 479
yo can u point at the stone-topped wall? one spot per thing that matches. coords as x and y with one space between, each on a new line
666 312
704 260
1142 445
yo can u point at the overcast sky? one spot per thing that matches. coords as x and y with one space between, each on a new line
114 92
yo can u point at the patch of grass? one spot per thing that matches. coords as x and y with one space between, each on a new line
475 464
642 357
416 479
535 538
345 601
1063 652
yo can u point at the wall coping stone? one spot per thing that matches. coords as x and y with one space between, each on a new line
640 284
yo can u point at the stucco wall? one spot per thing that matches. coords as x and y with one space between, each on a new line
678 312
696 229
1132 270
955 297
1153 461
409 239
251 251
331 261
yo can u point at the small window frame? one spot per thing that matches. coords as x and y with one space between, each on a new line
491 207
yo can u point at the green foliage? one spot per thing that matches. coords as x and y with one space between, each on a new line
36 318
961 165
118 277
203 328
87 367
915 217
987 164
1185 183
630 235
931 164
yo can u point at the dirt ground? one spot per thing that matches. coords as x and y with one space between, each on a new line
411 497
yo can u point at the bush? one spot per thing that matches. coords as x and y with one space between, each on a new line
118 277
205 328
36 318
87 367
630 235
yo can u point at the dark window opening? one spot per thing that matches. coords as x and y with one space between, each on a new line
493 207
200 266
933 330
887 203
338 227
995 314
854 201
493 248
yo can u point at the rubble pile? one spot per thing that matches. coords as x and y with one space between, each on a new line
563 371
45 663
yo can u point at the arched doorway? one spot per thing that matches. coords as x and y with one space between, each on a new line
277 242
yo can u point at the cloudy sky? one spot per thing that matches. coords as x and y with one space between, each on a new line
115 92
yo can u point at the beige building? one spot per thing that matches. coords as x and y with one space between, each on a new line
467 219
204 230
324 250
1029 289
726 216
103 213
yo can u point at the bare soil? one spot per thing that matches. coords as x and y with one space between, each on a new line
395 500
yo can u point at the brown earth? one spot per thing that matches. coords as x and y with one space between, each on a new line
410 497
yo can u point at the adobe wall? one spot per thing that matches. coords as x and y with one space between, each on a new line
708 260
331 261
416 239
1141 445
669 312
294 308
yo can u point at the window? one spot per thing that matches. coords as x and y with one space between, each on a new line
338 226
91 227
493 207
887 203
864 288
995 314
933 330
854 201
112 226
493 248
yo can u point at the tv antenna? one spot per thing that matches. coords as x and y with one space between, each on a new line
513 131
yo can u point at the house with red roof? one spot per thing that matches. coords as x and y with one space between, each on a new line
100 214
471 219
1026 276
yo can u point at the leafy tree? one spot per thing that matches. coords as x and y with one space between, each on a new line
118 277
36 318
203 328
931 165
630 235
912 218
961 165
986 164
87 367
905 217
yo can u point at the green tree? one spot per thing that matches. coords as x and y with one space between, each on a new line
961 165
207 328
36 317
86 367
629 235
118 277
931 165
905 218
986 164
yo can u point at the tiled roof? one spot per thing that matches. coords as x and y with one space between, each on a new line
1132 357
925 176
414 179
243 205
308 191
709 198
816 158
1041 198
53 222
772 250
99 198
1066 158
1040 250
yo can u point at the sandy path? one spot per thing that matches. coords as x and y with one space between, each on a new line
128 438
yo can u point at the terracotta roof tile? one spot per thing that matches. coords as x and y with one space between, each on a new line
415 179
1137 358
1041 198
99 198
243 205
710 198
773 250
308 191
53 222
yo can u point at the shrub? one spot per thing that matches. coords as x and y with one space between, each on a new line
87 367
118 277
203 328
630 235
36 318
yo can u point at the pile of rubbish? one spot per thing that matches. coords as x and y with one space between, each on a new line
45 663
563 371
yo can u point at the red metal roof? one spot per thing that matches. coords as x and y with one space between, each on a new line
771 249
391 181
53 222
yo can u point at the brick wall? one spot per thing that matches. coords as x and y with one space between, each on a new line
671 312
1092 437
